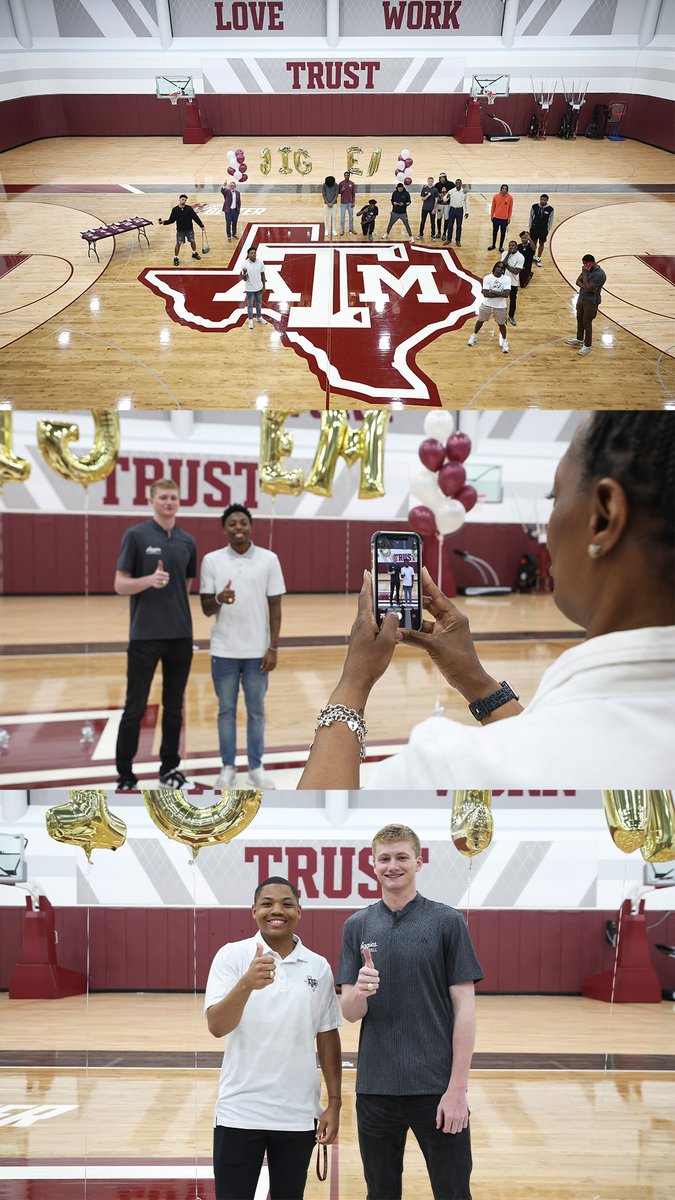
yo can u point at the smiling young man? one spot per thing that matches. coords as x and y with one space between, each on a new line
407 969
241 586
156 562
271 997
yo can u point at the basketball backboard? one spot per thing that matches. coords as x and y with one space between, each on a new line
483 86
12 861
168 87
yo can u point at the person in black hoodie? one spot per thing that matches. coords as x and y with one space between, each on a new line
183 214
400 199
368 214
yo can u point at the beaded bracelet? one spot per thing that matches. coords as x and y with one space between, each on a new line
352 719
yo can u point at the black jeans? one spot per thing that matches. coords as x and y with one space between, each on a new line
175 655
513 300
423 220
238 1156
499 227
383 1123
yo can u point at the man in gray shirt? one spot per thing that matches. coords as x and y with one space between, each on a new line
407 969
156 562
590 283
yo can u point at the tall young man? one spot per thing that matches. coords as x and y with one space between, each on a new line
347 194
458 211
407 969
272 999
513 262
590 283
183 214
541 220
496 287
241 586
400 199
157 560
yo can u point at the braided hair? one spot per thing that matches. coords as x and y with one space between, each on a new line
638 450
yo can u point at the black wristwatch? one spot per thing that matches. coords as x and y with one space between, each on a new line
481 709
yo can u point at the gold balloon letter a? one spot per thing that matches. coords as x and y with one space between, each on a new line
196 827
53 438
337 439
86 821
471 825
12 469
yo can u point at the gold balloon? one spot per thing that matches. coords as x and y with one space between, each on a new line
627 814
53 438
471 821
284 169
336 440
302 161
353 161
265 161
196 827
86 821
276 443
374 164
660 843
12 468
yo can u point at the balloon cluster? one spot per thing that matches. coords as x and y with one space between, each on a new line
402 168
642 820
237 167
440 483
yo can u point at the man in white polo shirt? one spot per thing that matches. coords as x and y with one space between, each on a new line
253 274
496 287
271 997
241 585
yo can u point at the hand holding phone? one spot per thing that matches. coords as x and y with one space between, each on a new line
396 571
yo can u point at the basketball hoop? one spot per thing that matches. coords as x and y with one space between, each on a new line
174 97
490 98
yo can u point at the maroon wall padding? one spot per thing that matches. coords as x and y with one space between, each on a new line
648 118
141 949
44 554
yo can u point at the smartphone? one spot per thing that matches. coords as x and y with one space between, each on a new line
396 564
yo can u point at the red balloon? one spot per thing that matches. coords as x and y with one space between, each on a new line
231 170
432 453
422 520
239 154
451 478
408 162
467 496
458 447
408 180
243 178
242 166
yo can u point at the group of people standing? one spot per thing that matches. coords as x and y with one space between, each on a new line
240 586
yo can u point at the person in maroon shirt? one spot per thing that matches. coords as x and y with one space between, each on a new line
347 194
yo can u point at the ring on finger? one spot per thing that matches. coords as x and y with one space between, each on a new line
371 987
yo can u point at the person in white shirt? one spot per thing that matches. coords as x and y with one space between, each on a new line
603 712
492 303
241 586
514 262
253 274
407 579
272 999
458 211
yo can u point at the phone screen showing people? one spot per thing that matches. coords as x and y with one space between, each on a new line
396 569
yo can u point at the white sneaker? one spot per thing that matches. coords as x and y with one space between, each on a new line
261 321
505 346
250 323
537 260
573 342
176 781
227 778
585 350
260 779
472 340
385 237
411 241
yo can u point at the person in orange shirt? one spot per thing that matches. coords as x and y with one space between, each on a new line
502 207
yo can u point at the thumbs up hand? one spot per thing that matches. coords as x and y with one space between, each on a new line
368 980
261 971
227 595
160 577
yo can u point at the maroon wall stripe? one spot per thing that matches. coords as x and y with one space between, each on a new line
26 119
138 949
44 552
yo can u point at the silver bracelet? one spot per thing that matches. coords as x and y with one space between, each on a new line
353 720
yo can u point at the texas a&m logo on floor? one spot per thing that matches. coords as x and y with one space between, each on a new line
358 312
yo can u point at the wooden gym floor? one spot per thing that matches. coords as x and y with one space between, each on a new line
571 1099
64 665
72 329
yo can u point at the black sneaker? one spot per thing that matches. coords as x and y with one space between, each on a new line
174 780
176 262
127 783
197 256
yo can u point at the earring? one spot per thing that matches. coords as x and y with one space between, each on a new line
595 550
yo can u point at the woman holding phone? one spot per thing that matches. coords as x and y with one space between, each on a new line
602 713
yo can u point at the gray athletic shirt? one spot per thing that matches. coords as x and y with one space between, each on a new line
405 1045
159 612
